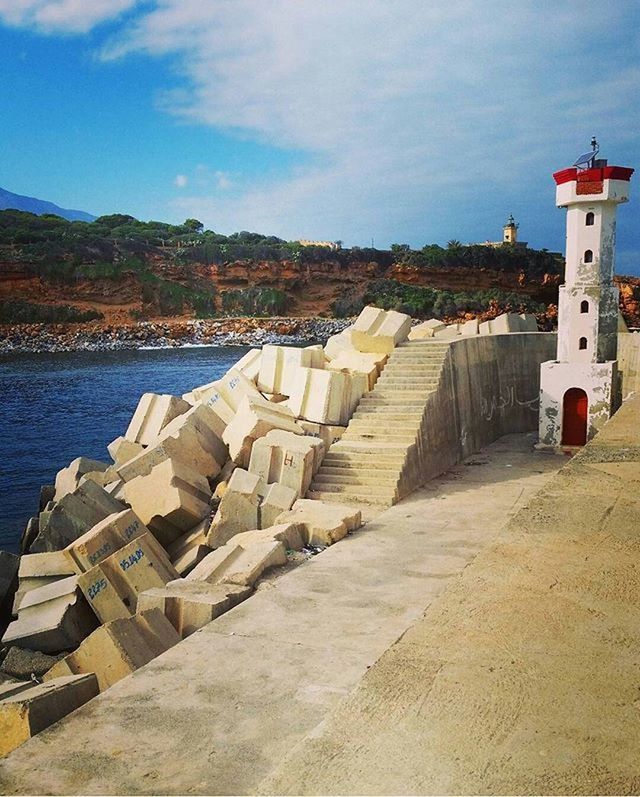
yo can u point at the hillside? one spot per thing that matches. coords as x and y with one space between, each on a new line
122 270
39 206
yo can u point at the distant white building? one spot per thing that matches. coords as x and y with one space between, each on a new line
509 236
327 244
578 389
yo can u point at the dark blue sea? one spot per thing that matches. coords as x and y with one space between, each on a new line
56 407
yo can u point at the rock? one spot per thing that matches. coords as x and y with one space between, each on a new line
8 586
31 531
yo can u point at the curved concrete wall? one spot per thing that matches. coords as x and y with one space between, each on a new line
490 387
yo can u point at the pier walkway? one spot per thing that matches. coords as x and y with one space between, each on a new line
223 710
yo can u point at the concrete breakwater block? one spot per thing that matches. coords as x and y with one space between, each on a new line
39 569
279 364
224 395
239 564
52 618
69 478
328 433
74 514
8 584
29 711
104 539
194 439
112 587
288 459
337 344
191 548
122 450
152 414
277 498
253 420
323 523
118 648
426 329
379 331
189 605
291 535
238 509
249 364
355 362
170 500
327 397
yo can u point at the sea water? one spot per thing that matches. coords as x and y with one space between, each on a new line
56 407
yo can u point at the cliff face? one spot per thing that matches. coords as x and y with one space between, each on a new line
310 288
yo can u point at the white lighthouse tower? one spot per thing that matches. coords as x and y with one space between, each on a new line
578 390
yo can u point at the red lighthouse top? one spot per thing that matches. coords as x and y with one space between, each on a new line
593 175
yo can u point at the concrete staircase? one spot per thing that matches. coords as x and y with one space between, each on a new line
369 462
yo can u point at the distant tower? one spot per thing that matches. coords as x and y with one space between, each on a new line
578 390
510 231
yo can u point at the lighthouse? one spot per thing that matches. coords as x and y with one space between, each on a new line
578 390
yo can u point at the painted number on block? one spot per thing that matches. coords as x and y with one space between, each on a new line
97 587
131 529
132 560
101 552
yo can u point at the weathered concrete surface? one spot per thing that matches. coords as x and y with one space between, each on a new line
239 694
523 677
629 362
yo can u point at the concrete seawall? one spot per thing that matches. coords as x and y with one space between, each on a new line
489 388
629 362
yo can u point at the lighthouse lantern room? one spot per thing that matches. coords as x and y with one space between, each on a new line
578 390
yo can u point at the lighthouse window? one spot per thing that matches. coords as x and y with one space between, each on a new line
582 343
588 256
589 222
584 307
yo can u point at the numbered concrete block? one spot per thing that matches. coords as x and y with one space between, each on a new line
337 344
31 710
39 569
52 618
323 523
122 450
72 515
328 433
249 364
277 498
286 458
235 564
119 647
112 587
194 439
104 539
189 605
279 365
319 395
426 329
354 362
238 509
470 327
191 548
379 331
170 500
68 478
224 395
153 413
253 420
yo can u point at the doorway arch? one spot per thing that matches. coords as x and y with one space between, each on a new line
575 409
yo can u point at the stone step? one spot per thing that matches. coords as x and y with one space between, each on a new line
379 449
352 468
383 437
418 395
343 463
413 368
322 479
383 414
401 380
393 426
373 497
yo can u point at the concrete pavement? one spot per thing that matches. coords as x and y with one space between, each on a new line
224 709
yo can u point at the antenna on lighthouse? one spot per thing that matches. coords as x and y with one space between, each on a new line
587 160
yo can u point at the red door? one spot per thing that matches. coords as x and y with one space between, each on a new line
574 417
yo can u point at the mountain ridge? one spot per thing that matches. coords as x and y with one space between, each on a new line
9 200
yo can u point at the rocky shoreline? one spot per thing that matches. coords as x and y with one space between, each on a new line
96 336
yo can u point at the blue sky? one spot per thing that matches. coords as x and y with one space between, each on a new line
401 121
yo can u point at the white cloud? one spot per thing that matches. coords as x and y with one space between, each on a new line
409 110
181 180
61 16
